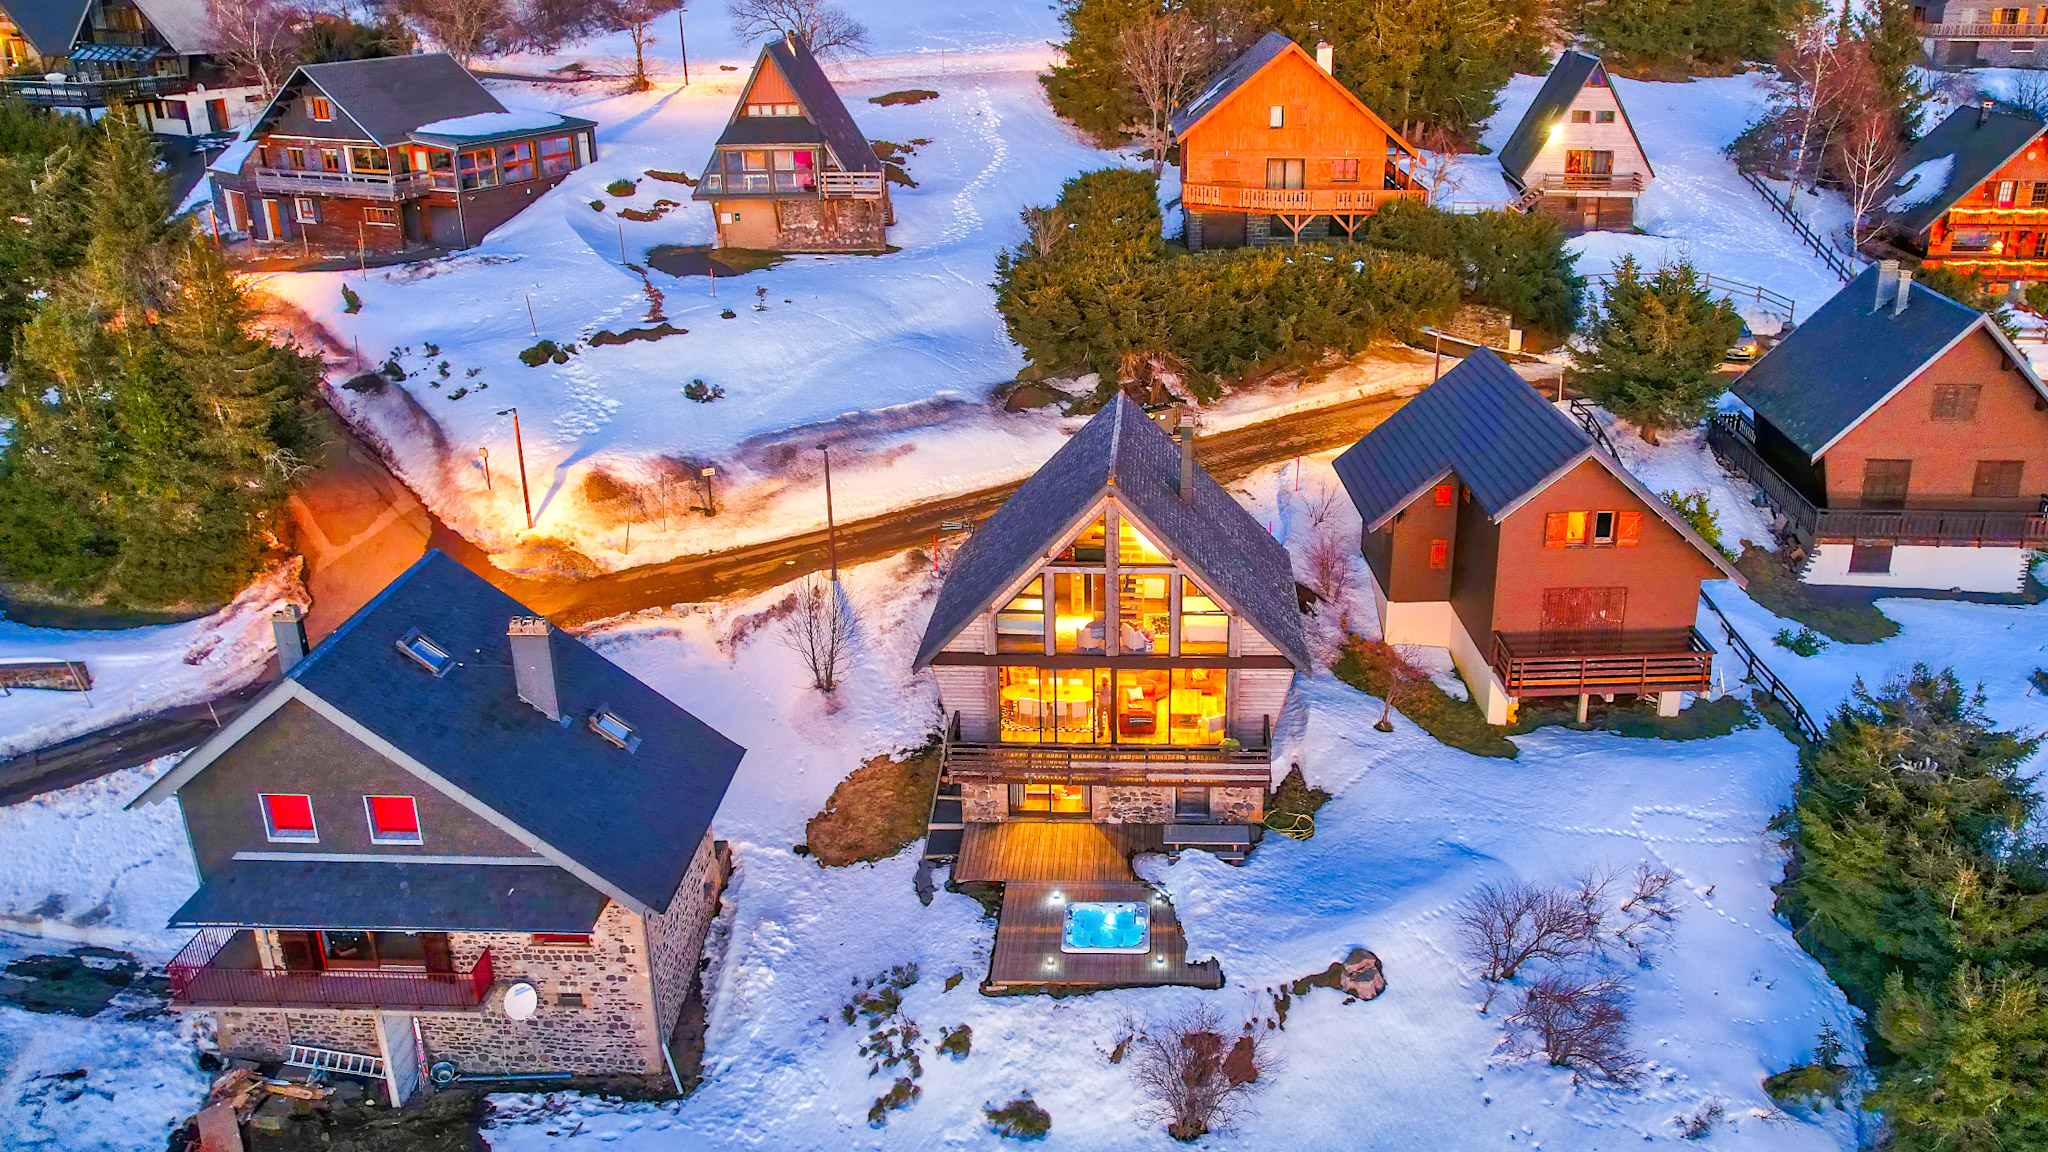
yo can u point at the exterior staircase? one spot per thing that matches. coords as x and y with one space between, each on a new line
945 828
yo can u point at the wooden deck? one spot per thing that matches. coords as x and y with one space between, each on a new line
1052 850
1028 959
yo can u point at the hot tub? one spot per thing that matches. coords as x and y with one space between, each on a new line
1122 926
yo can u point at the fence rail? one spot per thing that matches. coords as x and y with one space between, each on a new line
1659 664
1733 289
95 93
1593 183
1761 675
838 185
1844 267
1583 411
194 980
1984 31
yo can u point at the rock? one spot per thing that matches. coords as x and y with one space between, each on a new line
1362 976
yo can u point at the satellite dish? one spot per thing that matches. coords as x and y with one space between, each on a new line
442 1073
520 1001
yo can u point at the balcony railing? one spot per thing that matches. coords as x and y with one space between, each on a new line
1108 764
1316 201
1591 183
196 980
1733 438
1984 31
363 185
1555 664
96 93
836 185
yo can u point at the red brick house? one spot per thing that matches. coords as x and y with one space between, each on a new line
1497 528
390 154
1275 148
792 171
449 835
1901 438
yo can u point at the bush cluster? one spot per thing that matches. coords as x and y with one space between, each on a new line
1513 261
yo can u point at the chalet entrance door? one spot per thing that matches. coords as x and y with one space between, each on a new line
273 223
1285 173
216 115
1580 611
299 951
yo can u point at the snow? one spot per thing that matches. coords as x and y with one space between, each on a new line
1681 462
491 123
1921 183
230 161
137 671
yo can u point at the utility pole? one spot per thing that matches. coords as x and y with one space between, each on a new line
831 529
683 45
519 443
535 324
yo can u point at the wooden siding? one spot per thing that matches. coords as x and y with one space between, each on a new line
1569 137
971 692
769 87
1321 124
1027 956
294 119
2010 424
2018 225
1255 694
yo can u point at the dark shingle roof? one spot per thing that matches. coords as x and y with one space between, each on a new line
393 95
752 130
1270 47
1123 451
1560 88
49 26
821 102
1847 358
1481 421
366 896
632 819
1979 142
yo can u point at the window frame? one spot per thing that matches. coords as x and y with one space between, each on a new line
1344 170
271 832
1444 494
320 108
1439 555
1276 116
559 939
305 210
625 735
1582 115
378 835
1998 473
436 670
388 219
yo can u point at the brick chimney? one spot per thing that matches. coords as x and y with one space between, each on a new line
1326 57
1887 283
1187 458
1905 292
1984 112
533 664
288 631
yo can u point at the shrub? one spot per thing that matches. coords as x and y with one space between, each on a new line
1507 926
350 302
1197 1079
1805 642
622 187
900 1095
1577 1022
906 96
1653 351
1701 1121
956 1042
1694 509
543 352
1291 809
1020 1119
1807 1084
1508 260
703 393
1373 667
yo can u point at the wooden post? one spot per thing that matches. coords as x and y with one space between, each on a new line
831 530
622 241
519 443
362 261
529 316
1437 369
485 455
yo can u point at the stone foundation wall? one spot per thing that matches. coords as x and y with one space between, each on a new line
984 803
1130 804
831 225
1237 805
257 1034
675 938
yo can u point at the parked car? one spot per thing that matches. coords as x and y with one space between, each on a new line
1746 347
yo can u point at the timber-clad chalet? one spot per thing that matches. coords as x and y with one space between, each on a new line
1575 155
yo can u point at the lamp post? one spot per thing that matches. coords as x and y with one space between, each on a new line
519 443
831 530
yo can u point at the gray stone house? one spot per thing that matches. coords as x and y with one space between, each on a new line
449 840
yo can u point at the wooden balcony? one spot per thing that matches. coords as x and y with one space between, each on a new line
837 185
1108 764
1296 201
1733 439
1983 31
217 970
361 185
1572 664
1589 184
96 93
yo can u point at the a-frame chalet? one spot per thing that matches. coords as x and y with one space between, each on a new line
1575 156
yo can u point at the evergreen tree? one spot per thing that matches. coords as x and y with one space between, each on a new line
43 219
1887 27
1513 261
1655 346
1687 37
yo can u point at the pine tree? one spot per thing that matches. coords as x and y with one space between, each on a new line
1655 346
42 204
1887 27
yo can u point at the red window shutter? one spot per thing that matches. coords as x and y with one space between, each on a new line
1627 527
394 816
1554 529
1443 495
289 813
1439 553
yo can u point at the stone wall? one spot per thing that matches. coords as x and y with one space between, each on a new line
831 225
1132 804
257 1034
1237 805
984 803
675 938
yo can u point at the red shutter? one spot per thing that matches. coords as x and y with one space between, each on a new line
1554 530
394 816
1443 495
1628 526
1439 553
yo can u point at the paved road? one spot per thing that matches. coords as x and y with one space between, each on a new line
112 749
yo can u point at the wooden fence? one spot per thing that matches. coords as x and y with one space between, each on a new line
1840 265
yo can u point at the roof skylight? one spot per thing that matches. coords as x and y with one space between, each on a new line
607 724
426 653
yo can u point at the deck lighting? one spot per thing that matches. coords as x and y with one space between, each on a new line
1058 896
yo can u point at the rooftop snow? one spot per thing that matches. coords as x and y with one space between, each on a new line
492 123
1923 183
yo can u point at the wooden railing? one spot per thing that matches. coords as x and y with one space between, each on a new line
1553 664
1984 31
1108 764
1618 183
1319 201
366 185
837 185
194 980
95 93
1732 437
1840 265
1582 411
1761 674
1736 291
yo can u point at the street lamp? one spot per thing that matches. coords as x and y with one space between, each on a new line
519 443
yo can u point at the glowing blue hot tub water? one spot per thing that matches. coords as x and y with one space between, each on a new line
1116 926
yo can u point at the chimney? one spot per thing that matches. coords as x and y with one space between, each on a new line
1187 457
533 664
1983 112
1326 57
1887 280
1905 292
288 630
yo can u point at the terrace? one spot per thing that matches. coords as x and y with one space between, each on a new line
1317 201
222 968
1552 664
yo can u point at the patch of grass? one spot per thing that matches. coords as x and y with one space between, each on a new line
703 393
905 96
682 178
1376 669
1292 807
1846 616
893 157
545 351
350 302
622 187
956 1042
631 334
597 205
1020 1119
876 811
1808 1084
642 216
704 260
79 984
1636 718
1805 642
900 1095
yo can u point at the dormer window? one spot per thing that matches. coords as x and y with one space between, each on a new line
426 653
288 818
773 110
607 724
319 109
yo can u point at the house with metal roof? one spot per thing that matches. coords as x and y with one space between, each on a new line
390 154
153 56
1901 440
1972 195
1575 155
1112 650
1275 148
1497 528
449 834
792 171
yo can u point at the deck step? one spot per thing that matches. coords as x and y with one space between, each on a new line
946 812
943 843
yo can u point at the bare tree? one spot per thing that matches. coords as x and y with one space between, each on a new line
1810 66
823 26
1044 229
1164 59
1437 169
1507 926
1866 152
1328 569
1197 1079
1577 1022
820 630
259 39
546 25
465 29
2030 91
636 19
